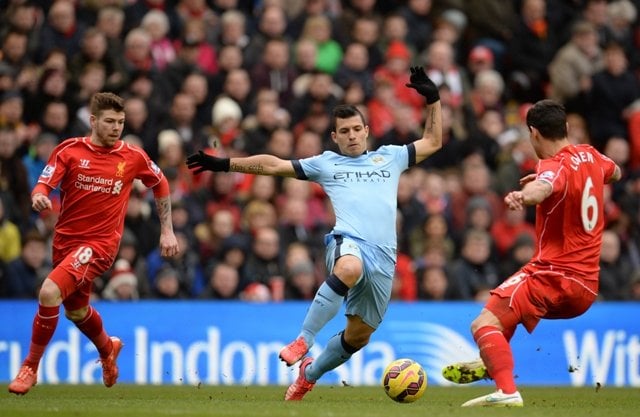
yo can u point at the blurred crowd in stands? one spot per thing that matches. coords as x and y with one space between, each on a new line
240 77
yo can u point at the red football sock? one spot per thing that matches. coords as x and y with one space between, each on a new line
44 325
91 326
497 356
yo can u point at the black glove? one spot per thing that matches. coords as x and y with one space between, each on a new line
203 162
423 85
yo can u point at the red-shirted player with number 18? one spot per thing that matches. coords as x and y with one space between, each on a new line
95 175
561 279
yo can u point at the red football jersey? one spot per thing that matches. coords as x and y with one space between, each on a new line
569 223
95 184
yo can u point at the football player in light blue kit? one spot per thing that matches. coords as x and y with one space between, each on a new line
361 248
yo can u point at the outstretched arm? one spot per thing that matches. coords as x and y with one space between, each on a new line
431 139
262 164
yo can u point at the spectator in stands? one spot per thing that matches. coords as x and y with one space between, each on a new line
395 29
157 25
190 11
229 59
26 18
14 181
94 49
140 123
61 30
25 273
14 50
417 14
223 283
329 51
238 86
122 284
196 84
366 30
110 21
480 58
301 281
257 293
272 24
319 98
233 30
434 230
167 284
11 237
264 262
184 267
59 119
486 139
433 284
137 54
519 253
305 57
198 49
275 70
531 49
52 86
294 225
450 27
476 181
613 91
473 273
573 65
281 143
212 234
507 229
615 267
269 116
308 143
492 24
354 68
182 118
621 28
632 291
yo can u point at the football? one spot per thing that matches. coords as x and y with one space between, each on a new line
404 380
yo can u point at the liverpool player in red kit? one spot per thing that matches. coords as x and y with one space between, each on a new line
561 279
95 175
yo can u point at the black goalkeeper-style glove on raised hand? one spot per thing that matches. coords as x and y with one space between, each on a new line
202 162
423 85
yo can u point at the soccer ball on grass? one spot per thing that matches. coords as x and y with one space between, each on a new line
404 380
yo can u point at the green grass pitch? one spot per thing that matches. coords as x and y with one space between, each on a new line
324 401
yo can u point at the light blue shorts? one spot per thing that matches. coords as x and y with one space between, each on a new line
369 298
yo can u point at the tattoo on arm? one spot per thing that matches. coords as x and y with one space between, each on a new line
249 169
432 120
164 212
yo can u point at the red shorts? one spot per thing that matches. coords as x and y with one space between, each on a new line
532 294
76 265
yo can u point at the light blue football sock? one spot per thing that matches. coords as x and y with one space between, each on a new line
324 307
335 354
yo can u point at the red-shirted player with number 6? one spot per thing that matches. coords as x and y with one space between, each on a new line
95 175
561 279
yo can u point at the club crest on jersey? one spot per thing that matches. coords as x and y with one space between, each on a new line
547 175
120 169
47 171
377 159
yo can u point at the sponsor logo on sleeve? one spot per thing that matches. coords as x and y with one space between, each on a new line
47 172
547 175
155 168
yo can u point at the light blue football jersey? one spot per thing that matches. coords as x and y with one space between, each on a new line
362 189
